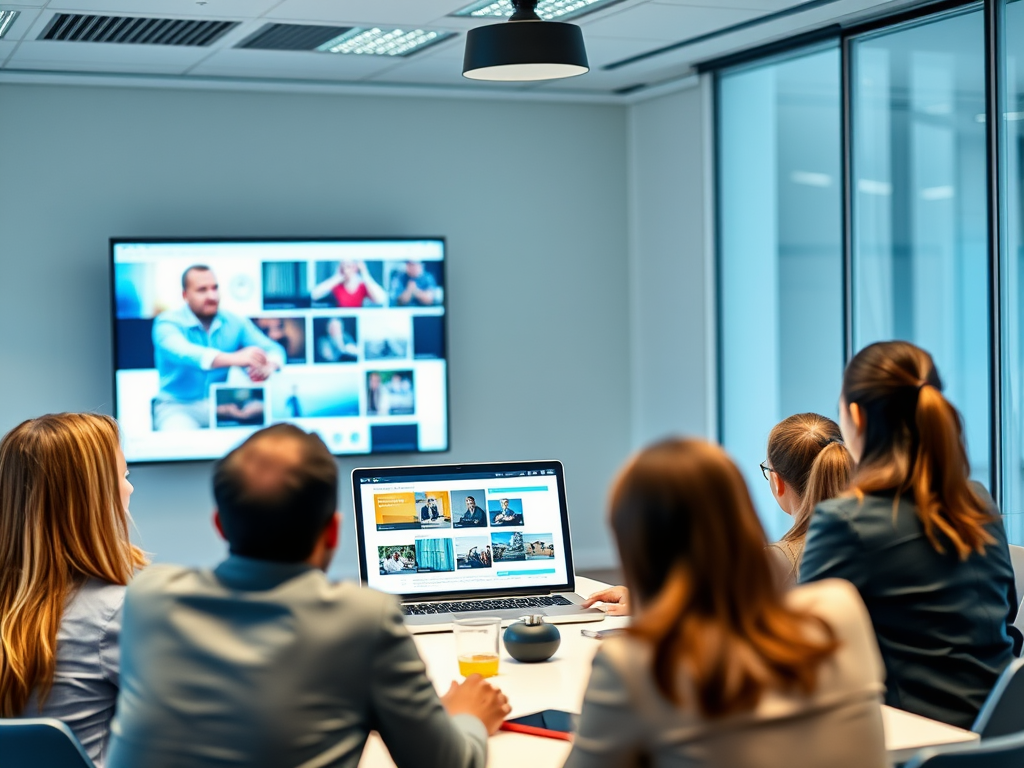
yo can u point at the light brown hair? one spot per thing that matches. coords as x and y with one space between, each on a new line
914 444
692 550
61 522
807 451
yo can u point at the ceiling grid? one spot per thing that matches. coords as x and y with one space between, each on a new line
274 41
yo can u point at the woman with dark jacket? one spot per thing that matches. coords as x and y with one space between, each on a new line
923 544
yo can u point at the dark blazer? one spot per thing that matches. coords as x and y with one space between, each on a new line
943 625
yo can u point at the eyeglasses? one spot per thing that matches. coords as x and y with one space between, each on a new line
765 469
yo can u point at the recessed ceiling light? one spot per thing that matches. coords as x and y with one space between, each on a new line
546 9
6 19
383 42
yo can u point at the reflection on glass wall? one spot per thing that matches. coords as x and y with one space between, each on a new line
920 263
1013 273
780 254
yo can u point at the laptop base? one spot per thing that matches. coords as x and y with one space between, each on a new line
554 614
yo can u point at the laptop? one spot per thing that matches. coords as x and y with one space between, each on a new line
468 539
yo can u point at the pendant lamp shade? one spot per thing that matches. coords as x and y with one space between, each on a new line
525 48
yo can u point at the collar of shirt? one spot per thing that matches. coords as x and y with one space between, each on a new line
189 320
247 573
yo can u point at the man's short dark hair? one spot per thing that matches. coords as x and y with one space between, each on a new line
275 494
470 498
189 271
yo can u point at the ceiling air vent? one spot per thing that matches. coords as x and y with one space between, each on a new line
81 28
291 37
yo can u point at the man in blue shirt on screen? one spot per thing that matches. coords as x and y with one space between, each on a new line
413 285
195 346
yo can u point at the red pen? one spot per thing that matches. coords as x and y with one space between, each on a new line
533 730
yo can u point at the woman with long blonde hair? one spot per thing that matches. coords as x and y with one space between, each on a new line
924 545
806 464
722 667
65 559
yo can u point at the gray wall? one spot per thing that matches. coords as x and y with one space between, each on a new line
672 342
532 198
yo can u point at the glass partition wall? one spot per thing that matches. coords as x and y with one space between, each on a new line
780 258
872 188
1011 283
920 214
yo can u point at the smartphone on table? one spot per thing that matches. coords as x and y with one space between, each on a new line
550 723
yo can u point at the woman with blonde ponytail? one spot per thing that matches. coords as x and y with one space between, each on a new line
924 545
807 463
65 559
722 667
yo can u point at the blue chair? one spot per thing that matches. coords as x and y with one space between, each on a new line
1000 752
38 743
1003 712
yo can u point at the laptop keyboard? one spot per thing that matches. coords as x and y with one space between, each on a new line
511 603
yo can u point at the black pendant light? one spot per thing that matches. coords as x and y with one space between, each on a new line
525 48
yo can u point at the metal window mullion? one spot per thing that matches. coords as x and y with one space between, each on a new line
846 142
716 91
994 134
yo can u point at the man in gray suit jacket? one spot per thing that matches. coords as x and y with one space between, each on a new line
264 662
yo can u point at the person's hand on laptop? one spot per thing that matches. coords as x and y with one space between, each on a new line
615 599
475 696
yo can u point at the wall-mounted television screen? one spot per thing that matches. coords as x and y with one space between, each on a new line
215 339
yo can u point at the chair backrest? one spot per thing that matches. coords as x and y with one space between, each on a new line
1001 752
1017 562
39 742
1003 712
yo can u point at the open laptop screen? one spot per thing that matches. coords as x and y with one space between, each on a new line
463 529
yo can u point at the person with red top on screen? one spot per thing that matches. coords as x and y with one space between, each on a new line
350 286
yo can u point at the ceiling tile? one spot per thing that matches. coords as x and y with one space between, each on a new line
441 72
218 9
765 6
6 49
113 57
453 49
291 65
392 12
605 50
654 21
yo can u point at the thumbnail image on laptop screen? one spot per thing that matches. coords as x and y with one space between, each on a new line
436 530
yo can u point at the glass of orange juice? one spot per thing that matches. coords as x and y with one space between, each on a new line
476 643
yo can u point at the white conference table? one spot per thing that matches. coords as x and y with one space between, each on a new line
561 682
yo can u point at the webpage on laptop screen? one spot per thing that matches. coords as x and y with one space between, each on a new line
482 531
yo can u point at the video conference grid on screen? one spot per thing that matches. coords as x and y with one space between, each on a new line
214 340
437 534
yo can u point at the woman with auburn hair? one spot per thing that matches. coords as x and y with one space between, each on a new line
807 463
65 559
721 667
924 545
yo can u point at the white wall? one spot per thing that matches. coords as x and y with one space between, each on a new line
532 198
672 342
